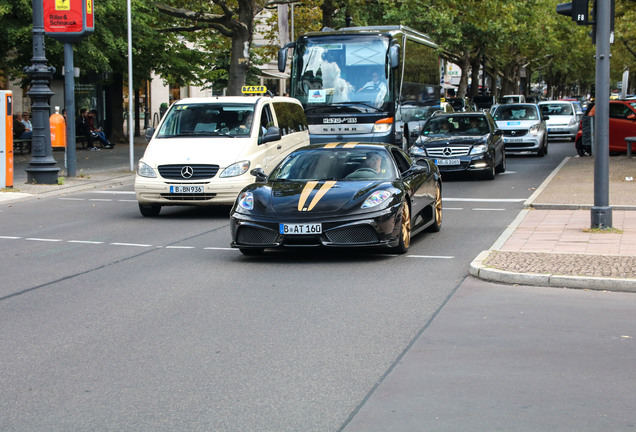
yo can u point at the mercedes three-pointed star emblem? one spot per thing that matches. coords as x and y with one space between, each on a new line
186 172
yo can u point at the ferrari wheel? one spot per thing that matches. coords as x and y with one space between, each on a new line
405 230
437 211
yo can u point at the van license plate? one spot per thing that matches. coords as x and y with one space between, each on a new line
186 189
300 228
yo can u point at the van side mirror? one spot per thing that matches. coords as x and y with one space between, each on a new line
149 133
272 134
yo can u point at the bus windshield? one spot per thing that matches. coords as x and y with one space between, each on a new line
342 70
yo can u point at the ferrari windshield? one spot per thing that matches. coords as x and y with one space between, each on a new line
336 164
208 119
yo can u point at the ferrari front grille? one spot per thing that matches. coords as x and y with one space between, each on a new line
358 234
248 235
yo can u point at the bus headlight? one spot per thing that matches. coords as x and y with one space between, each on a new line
383 125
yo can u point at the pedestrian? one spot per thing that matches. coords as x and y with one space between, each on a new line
82 129
97 131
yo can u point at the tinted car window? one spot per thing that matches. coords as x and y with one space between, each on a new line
291 117
516 112
557 109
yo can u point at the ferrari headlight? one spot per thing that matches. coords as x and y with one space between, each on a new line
534 129
376 198
246 201
236 169
418 151
144 170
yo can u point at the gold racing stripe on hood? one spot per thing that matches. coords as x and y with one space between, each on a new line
350 145
331 145
323 190
305 194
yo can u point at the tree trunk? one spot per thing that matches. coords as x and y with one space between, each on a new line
475 63
464 65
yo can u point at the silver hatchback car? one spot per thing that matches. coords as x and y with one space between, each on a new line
564 118
523 127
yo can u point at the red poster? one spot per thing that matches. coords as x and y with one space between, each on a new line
90 24
64 16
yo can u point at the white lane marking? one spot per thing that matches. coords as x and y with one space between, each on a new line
484 199
101 199
85 242
179 247
220 248
131 244
43 239
488 209
430 256
72 199
115 192
10 237
452 208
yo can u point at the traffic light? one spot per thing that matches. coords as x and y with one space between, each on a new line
576 9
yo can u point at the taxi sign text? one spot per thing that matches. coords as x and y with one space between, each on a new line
253 89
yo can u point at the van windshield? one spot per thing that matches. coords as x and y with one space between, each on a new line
208 119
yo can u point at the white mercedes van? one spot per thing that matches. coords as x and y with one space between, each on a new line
203 150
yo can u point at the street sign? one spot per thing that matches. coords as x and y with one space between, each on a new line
68 20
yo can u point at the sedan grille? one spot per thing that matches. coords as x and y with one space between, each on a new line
358 234
515 132
188 172
448 151
248 235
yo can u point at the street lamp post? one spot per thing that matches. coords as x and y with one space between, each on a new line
42 168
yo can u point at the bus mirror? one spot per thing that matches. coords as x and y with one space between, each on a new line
394 56
282 56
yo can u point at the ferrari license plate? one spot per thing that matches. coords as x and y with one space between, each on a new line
186 189
447 161
300 228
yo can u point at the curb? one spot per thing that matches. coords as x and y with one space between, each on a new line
74 185
481 271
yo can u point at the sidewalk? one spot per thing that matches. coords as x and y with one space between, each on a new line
94 169
550 243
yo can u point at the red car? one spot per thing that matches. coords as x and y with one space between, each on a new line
622 123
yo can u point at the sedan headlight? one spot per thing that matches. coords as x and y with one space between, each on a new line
246 201
572 121
144 170
236 169
479 149
418 151
376 198
535 129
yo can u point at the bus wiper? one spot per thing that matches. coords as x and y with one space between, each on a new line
357 103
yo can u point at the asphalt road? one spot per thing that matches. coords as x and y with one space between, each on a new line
112 321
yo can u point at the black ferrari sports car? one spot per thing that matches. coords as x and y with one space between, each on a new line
339 195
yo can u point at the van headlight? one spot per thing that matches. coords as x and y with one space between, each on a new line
236 169
144 170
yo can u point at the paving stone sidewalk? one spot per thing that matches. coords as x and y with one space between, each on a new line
551 243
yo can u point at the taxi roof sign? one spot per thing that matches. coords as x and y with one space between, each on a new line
253 89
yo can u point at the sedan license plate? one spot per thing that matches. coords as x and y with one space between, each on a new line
513 140
447 162
186 189
300 228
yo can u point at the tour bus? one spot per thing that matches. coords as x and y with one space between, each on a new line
366 84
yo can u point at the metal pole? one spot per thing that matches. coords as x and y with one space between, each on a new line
131 127
41 168
601 216
69 102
